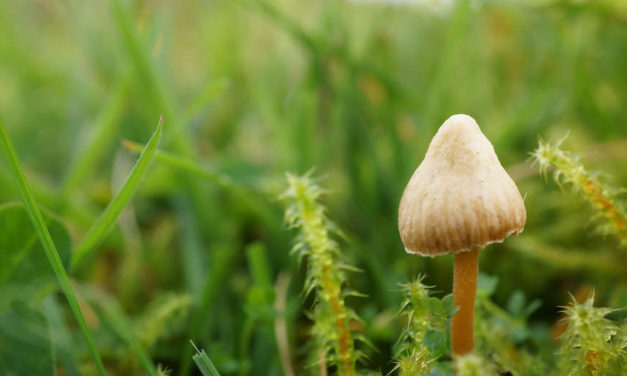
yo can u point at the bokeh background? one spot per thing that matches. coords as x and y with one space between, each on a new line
253 89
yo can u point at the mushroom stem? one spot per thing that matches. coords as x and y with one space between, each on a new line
464 292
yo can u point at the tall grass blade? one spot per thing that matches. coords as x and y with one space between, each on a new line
145 70
101 136
46 241
107 219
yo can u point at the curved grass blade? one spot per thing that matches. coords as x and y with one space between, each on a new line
46 241
256 204
109 216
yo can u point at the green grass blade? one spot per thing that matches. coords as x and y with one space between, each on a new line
46 241
107 219
204 363
188 165
147 76
158 96
132 44
101 136
255 203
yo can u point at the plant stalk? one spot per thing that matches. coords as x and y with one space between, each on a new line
466 268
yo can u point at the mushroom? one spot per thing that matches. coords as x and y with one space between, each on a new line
459 200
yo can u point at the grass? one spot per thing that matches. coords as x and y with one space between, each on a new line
253 89
107 219
46 240
204 363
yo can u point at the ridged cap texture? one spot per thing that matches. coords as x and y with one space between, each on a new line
460 197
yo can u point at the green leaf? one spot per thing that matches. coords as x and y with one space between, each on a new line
25 346
449 302
108 218
449 305
46 240
435 338
435 307
20 250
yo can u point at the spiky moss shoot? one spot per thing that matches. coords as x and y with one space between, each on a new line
413 356
163 370
414 364
326 272
426 336
569 169
592 344
472 364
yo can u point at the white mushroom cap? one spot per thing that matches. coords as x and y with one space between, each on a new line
460 197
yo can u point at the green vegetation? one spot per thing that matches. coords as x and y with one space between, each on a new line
326 274
120 242
569 169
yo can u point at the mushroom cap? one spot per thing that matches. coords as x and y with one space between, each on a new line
460 197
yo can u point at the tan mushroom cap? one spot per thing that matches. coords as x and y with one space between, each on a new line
460 197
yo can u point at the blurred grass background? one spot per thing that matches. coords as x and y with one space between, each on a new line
251 89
